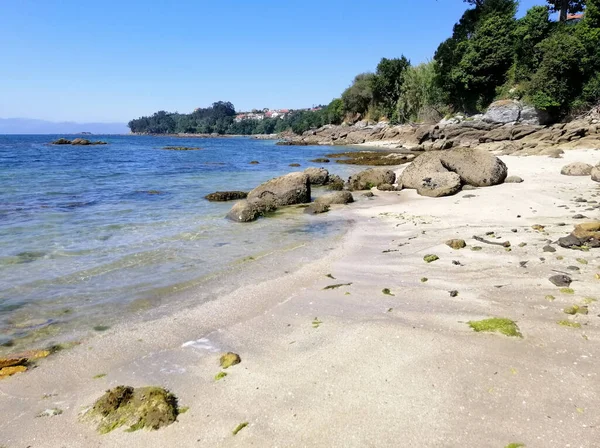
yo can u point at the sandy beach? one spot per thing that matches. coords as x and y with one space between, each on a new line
352 366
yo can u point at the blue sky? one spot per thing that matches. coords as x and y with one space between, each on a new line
116 60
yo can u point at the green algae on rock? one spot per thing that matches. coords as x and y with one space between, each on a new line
567 290
576 309
239 427
229 359
144 407
220 376
430 258
456 244
424 280
568 323
504 326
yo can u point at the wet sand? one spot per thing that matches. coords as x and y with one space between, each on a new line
375 369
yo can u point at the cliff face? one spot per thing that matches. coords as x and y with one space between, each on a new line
507 127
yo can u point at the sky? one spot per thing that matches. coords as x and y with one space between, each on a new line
111 61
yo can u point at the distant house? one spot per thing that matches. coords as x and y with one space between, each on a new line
574 18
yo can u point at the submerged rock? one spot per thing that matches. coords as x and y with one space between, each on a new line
250 210
143 407
222 196
316 208
373 177
335 183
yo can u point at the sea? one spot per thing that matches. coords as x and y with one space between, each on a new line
91 234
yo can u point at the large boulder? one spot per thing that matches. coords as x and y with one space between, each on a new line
317 176
443 173
533 116
503 111
293 188
577 169
596 173
373 177
337 197
81 141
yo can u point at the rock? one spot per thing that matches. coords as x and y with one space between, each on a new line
596 173
456 244
532 116
373 177
255 162
503 111
549 248
468 188
430 258
143 407
251 210
317 176
338 197
443 173
513 180
293 188
316 208
61 141
368 194
335 182
321 160
386 187
577 169
579 216
294 165
229 359
222 196
561 280
81 141
10 371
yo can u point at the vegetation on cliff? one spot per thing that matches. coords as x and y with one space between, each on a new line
552 65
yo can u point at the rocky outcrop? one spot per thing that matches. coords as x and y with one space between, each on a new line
373 177
77 142
443 173
577 169
338 197
317 176
223 196
584 235
316 208
293 188
512 111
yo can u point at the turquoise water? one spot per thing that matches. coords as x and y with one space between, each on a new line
85 239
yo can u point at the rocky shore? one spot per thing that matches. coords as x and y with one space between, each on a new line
508 127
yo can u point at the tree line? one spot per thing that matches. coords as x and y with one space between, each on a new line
552 65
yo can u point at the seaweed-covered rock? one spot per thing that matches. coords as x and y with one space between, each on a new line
81 141
585 234
223 196
317 176
577 169
373 177
337 197
143 407
251 210
293 188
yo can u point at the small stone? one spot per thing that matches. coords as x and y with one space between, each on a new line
579 216
549 249
229 359
453 293
430 258
369 194
456 244
573 268
537 227
560 280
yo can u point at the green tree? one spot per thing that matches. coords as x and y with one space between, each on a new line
387 83
530 30
359 96
421 98
335 111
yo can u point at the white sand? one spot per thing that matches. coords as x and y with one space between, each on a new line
368 376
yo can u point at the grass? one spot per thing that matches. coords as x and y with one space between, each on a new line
504 326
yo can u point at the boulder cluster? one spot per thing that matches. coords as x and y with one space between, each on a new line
582 169
77 142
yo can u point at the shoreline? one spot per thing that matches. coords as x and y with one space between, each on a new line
408 361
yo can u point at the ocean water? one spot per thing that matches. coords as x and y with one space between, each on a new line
90 234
